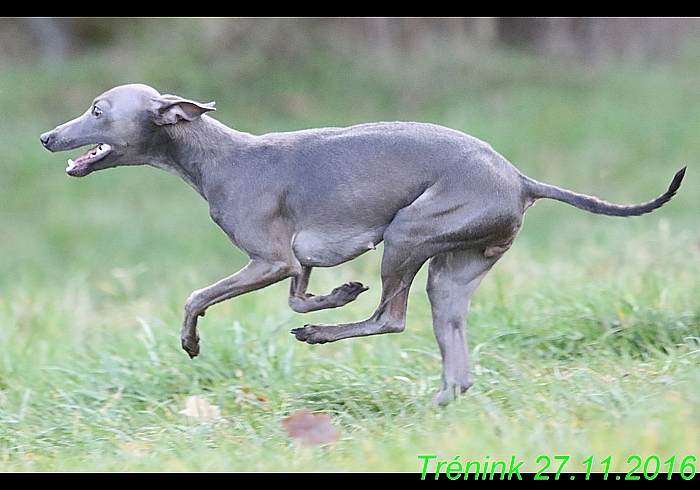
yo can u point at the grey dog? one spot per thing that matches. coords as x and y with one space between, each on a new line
320 197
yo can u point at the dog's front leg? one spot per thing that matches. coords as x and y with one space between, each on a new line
303 302
256 275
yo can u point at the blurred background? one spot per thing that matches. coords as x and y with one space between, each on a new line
603 106
590 40
615 91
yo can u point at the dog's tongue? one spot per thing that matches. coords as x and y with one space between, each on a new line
86 158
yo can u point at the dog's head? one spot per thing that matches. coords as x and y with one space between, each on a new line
120 126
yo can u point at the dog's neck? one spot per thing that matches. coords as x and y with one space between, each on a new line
193 146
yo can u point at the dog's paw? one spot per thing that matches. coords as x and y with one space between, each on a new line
191 346
348 292
311 334
444 397
449 391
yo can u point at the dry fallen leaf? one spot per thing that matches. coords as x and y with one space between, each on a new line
198 408
310 428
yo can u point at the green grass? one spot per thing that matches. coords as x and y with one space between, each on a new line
585 338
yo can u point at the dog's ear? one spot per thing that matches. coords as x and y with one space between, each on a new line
169 109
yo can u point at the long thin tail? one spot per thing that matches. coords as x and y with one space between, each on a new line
538 190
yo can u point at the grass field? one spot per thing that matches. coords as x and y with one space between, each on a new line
585 337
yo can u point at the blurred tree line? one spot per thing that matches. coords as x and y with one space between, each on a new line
589 40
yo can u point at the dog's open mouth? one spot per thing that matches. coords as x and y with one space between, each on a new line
80 166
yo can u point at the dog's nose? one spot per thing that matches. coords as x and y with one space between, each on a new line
45 138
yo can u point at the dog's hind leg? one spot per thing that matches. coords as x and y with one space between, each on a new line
415 235
452 279
390 315
303 302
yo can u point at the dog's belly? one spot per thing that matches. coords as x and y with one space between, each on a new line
329 248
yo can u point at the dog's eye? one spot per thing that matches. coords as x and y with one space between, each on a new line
96 111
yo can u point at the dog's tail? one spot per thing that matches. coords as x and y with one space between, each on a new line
537 190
